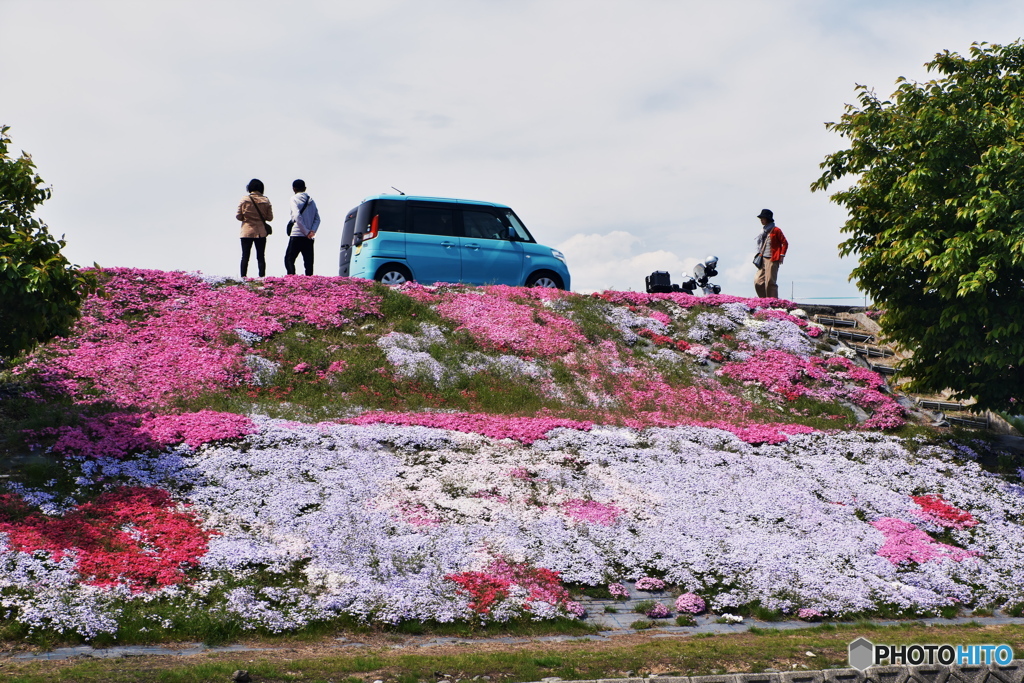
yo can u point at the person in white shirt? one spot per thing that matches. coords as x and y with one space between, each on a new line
301 229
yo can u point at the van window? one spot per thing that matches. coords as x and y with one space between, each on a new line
392 215
483 225
431 221
521 232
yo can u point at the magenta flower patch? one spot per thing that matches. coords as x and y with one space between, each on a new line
690 603
118 434
500 323
592 511
904 543
524 429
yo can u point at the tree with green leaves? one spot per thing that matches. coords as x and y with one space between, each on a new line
936 218
40 292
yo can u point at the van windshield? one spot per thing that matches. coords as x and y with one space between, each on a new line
521 232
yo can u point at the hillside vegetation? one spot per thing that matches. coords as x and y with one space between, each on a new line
205 457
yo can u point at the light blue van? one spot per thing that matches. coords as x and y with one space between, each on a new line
395 238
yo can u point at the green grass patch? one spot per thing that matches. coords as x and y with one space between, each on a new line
644 606
753 652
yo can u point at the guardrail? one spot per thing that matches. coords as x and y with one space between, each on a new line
873 351
851 336
835 322
974 422
944 406
886 370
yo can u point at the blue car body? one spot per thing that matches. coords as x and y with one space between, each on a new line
394 238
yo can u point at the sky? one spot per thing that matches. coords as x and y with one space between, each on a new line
633 135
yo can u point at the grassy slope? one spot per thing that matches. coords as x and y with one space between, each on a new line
364 386
636 655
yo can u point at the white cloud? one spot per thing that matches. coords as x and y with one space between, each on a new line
599 262
672 122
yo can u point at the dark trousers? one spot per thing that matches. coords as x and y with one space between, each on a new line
299 245
261 248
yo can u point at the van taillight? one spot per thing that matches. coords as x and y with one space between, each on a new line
374 227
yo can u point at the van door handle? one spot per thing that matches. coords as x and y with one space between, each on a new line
447 244
472 245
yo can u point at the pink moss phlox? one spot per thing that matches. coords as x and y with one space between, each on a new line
522 429
195 429
690 603
484 591
592 511
844 368
151 337
650 583
761 433
488 587
426 294
808 614
132 536
118 434
778 371
904 543
659 339
337 366
617 590
687 301
113 435
935 509
831 379
501 324
543 584
527 293
418 515
774 314
658 611
886 413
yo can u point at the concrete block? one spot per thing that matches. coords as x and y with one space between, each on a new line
844 676
888 674
801 677
722 678
929 673
968 674
1011 673
757 678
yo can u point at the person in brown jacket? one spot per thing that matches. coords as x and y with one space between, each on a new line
771 247
254 211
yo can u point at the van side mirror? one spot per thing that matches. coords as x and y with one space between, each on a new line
512 235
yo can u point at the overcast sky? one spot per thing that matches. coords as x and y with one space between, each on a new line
634 135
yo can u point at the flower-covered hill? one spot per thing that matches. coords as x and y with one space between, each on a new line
270 454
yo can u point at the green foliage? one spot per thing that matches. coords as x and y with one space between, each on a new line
40 292
936 217
644 606
1016 421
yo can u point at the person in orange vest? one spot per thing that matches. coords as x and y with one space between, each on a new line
771 249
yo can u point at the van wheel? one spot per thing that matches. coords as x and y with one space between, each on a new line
392 274
544 278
